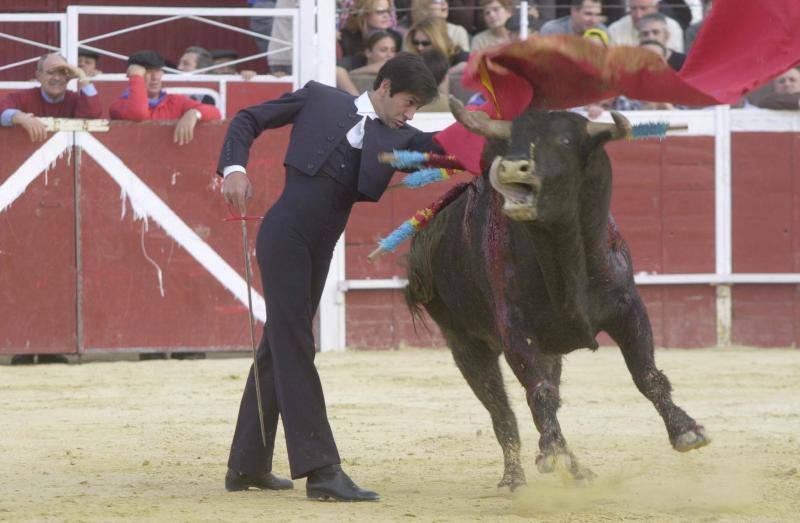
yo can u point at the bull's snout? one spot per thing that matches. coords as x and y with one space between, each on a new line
516 180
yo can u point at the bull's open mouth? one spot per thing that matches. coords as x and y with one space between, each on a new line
519 187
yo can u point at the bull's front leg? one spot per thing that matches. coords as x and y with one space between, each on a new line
632 332
540 374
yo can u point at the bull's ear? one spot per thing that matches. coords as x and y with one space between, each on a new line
621 128
479 122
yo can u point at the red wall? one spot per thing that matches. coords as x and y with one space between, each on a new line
663 201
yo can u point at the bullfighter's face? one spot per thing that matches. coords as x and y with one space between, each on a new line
394 110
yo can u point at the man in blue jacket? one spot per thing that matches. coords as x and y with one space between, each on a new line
331 162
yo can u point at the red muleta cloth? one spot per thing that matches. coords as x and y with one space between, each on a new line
742 45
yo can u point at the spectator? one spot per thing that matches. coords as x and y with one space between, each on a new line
467 14
786 92
422 9
596 36
691 33
367 16
654 27
262 24
51 98
495 13
583 15
663 53
438 65
88 60
225 56
432 32
145 100
625 31
380 49
599 38
195 58
280 58
678 10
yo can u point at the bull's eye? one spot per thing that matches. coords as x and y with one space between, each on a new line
564 140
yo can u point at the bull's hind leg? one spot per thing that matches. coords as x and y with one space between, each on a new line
632 332
479 366
540 374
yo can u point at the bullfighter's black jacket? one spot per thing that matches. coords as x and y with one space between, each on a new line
322 116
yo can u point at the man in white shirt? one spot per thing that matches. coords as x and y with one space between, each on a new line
331 162
625 31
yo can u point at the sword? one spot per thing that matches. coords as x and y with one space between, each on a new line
249 277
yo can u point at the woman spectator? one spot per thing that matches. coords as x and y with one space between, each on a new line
380 48
432 33
422 9
366 17
495 14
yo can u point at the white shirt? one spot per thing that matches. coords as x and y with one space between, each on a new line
355 135
623 32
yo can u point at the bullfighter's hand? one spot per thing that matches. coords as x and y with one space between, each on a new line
237 190
135 70
36 130
184 129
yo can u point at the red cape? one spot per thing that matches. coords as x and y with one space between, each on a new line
742 45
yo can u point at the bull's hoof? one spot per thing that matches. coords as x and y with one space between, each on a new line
547 462
692 439
513 479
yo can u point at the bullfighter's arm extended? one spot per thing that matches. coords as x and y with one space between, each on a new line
249 123
244 128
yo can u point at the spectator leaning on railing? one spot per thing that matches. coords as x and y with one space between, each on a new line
50 99
145 100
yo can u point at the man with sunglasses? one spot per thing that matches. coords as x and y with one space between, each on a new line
331 162
51 98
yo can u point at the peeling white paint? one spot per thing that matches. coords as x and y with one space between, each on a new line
146 204
16 184
159 273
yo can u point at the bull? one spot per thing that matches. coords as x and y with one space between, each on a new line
528 263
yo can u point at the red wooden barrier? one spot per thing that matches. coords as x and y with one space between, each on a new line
663 201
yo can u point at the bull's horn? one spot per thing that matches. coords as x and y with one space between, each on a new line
621 128
479 122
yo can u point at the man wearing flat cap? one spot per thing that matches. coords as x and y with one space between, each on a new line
145 100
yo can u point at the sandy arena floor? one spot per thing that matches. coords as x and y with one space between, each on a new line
147 441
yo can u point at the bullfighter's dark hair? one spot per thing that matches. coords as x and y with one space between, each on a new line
408 73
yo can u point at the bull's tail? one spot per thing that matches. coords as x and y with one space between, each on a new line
421 288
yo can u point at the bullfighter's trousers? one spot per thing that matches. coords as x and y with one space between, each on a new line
294 249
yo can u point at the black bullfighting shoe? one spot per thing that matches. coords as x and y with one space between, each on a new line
331 483
268 481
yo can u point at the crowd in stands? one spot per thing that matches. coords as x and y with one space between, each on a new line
370 32
455 28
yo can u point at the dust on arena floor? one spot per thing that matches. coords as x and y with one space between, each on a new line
148 441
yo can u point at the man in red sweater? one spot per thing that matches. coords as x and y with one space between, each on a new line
144 99
51 98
